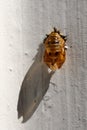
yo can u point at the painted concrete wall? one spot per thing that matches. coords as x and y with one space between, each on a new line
23 25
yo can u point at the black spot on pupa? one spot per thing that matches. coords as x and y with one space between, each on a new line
57 31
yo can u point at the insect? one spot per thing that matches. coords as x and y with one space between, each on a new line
55 49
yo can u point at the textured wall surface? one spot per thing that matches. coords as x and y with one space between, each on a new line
23 25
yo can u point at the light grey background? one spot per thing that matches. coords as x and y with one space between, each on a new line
23 25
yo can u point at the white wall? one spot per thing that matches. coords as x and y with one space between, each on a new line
23 25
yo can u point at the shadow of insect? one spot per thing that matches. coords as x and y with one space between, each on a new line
34 86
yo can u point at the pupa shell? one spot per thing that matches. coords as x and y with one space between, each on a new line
55 50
